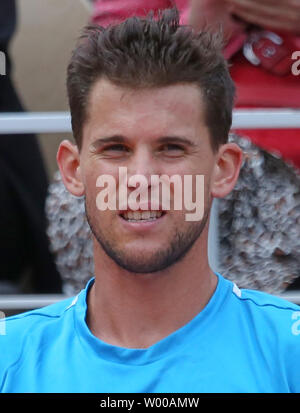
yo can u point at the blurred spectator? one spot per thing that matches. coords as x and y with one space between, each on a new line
262 36
24 246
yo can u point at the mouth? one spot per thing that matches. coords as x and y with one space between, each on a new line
142 216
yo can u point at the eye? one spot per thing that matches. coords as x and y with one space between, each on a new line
116 147
114 150
172 149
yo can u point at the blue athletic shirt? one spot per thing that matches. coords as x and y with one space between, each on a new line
242 341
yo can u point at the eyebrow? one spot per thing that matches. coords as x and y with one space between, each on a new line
176 139
110 139
121 139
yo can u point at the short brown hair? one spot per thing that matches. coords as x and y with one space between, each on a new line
148 52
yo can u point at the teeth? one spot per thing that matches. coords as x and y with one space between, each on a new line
146 214
137 215
140 216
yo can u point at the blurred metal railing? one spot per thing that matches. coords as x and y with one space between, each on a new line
28 301
57 122
60 122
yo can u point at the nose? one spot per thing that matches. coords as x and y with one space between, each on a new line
144 173
143 163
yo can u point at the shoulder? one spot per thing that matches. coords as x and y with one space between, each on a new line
264 303
16 331
268 308
275 323
261 298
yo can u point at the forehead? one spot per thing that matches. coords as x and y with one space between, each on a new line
177 107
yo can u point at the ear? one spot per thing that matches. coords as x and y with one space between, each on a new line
226 171
68 160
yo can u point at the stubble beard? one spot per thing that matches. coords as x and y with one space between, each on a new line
180 244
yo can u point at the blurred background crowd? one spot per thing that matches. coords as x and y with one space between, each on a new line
259 224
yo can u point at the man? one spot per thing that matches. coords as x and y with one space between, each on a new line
156 99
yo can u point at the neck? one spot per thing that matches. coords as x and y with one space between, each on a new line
137 310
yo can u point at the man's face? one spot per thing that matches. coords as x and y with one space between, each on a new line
150 132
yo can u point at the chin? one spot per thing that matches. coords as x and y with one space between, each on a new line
142 267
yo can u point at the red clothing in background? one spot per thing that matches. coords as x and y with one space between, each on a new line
109 11
259 88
